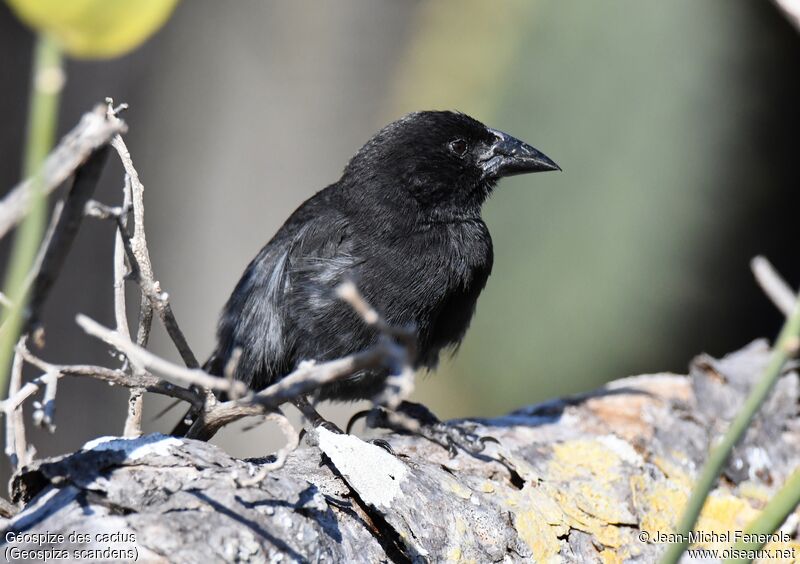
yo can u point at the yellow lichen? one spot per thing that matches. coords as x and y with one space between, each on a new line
540 537
539 522
725 512
659 503
582 458
755 491
454 555
582 490
461 491
672 470
611 557
586 475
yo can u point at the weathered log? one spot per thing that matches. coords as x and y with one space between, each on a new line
585 478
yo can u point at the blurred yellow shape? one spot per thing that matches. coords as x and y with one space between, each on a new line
95 29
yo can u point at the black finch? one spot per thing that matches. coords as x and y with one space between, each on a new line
404 224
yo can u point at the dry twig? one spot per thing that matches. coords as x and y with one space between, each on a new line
66 229
152 296
93 131
393 351
147 361
16 444
292 441
775 287
790 9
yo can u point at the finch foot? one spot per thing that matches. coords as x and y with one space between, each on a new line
312 421
417 419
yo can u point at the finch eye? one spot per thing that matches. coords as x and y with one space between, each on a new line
458 147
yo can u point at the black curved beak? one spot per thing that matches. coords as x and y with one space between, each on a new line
509 156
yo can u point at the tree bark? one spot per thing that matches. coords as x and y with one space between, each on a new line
586 478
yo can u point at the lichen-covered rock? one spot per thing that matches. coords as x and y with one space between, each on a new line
578 479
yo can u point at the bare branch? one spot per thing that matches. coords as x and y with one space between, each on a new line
292 440
776 289
306 379
66 228
349 293
37 262
145 381
147 360
310 376
151 291
16 444
400 383
231 365
133 421
99 210
790 9
55 217
93 131
44 412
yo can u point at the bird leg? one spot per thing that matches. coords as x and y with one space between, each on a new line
312 420
415 418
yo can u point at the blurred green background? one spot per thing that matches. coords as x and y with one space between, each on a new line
675 123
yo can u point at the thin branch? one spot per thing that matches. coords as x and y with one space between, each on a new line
16 444
292 441
147 360
66 229
231 365
93 131
145 381
55 217
776 289
156 299
99 210
786 346
133 421
310 376
37 262
790 9
24 454
400 382
350 294
306 379
44 413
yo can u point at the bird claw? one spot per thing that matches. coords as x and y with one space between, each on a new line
311 431
383 444
424 423
453 437
355 418
328 426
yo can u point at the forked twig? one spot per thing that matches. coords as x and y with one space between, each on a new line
152 296
147 361
93 131
292 441
144 371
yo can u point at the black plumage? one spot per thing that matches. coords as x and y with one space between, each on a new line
403 222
